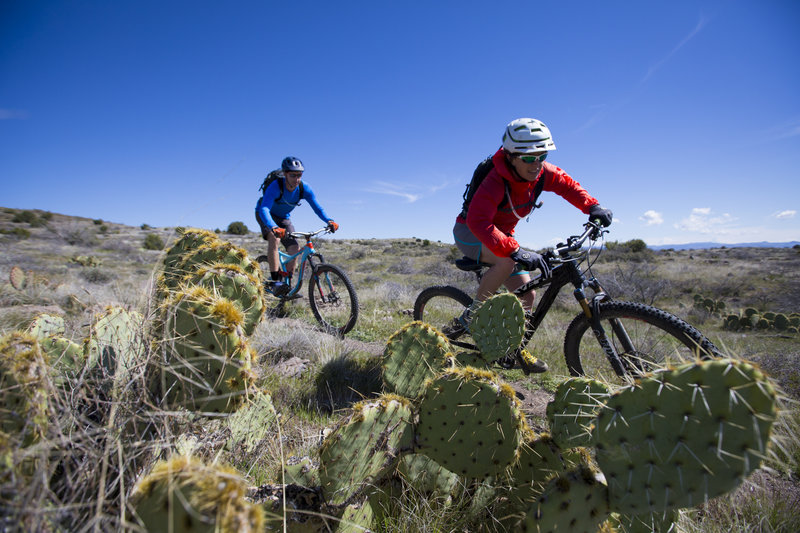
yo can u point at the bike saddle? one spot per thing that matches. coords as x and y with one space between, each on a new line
470 265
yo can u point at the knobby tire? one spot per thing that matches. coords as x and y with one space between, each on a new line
659 339
440 306
333 299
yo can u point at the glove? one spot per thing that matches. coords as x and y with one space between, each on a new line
332 226
602 214
531 261
279 233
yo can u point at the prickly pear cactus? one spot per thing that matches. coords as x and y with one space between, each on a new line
190 239
365 447
47 325
252 422
498 326
470 423
413 354
683 436
205 255
184 494
428 477
17 278
65 357
238 286
540 460
116 342
24 389
575 501
572 410
206 362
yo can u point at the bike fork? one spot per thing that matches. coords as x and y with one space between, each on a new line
592 311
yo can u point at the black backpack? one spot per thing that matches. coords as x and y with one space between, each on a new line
277 175
480 173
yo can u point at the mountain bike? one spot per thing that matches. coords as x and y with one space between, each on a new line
331 294
626 337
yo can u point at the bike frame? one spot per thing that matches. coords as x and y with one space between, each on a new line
305 253
566 272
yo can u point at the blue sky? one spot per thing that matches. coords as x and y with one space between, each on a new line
683 117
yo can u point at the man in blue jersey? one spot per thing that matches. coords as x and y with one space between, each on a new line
280 197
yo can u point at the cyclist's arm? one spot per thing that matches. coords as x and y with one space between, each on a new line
481 217
267 201
565 186
308 194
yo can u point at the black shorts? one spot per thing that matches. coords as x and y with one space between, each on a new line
284 223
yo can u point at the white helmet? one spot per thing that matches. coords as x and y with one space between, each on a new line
527 135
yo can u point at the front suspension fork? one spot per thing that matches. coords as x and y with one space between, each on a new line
592 311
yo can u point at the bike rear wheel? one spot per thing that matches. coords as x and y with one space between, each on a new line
646 338
440 307
333 299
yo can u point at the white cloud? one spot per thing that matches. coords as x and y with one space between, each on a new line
703 220
788 213
393 190
653 68
652 218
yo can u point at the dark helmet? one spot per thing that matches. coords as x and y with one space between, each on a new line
292 164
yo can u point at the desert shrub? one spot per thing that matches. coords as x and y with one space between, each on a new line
97 221
26 217
636 281
237 228
153 242
47 215
19 233
78 235
96 275
145 227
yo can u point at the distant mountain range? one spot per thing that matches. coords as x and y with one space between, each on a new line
703 245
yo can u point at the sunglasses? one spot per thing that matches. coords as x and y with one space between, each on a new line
293 174
532 158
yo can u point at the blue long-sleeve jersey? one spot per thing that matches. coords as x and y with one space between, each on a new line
269 207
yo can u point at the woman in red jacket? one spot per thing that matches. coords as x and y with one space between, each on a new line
505 197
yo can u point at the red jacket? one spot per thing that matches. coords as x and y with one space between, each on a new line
494 225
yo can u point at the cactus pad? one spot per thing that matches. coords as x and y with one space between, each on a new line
540 460
365 447
470 423
24 389
183 494
572 411
413 354
498 326
207 361
682 436
238 286
45 325
575 501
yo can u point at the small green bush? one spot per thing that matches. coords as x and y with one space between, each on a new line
153 242
19 233
145 227
237 228
28 217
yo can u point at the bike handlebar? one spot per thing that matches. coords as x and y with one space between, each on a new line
307 235
593 231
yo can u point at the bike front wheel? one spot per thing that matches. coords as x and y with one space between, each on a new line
440 307
644 337
333 299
